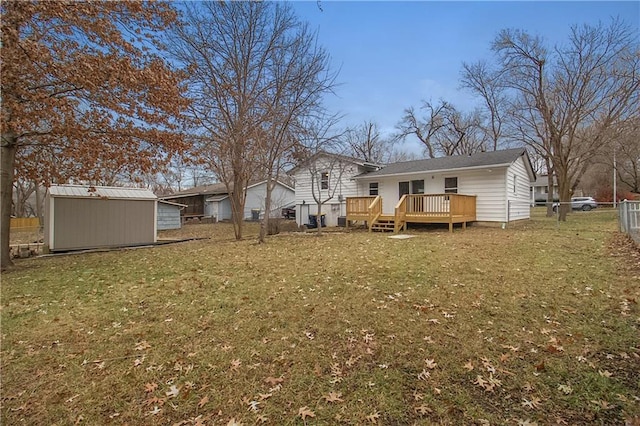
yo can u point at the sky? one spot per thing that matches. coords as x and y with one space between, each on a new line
392 54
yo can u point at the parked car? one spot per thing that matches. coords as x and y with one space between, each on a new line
289 212
580 203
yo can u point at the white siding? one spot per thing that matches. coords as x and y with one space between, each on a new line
488 185
344 186
281 196
518 197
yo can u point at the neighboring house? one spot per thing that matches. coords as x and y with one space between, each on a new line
194 199
212 201
169 215
332 177
86 217
499 180
540 190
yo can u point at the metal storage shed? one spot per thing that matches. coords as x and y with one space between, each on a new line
85 217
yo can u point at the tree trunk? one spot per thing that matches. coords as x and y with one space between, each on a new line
318 219
264 225
550 187
7 165
564 193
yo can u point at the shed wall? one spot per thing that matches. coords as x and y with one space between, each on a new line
168 217
81 223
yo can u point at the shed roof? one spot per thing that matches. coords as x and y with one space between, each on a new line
84 191
457 162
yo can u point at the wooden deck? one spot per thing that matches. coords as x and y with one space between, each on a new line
415 208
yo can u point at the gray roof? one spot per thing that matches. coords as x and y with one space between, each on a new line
85 191
456 162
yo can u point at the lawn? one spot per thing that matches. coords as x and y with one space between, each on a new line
535 323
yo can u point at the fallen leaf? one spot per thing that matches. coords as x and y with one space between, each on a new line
150 387
333 397
468 365
566 389
605 373
173 391
304 412
274 380
431 364
533 404
422 409
203 401
235 364
373 418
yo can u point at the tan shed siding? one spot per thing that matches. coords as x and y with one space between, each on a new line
519 201
92 223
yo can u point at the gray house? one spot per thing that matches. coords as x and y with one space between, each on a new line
84 217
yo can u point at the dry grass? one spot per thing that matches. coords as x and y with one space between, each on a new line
536 322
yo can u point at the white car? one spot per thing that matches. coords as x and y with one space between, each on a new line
580 203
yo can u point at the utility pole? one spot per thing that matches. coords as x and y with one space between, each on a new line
615 176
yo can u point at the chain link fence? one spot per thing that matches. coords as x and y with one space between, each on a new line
629 215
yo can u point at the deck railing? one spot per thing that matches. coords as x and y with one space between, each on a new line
400 214
359 206
440 205
374 210
416 208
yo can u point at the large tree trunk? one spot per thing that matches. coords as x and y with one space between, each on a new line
237 206
7 165
550 187
564 193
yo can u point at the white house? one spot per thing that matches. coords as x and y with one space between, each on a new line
282 195
329 177
212 201
500 180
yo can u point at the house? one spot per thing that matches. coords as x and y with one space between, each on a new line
500 181
86 217
483 187
168 216
540 190
328 177
212 201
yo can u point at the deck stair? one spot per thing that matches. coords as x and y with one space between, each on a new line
384 223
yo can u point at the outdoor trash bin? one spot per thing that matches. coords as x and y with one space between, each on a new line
313 221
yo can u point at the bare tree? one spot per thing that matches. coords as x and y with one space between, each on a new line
462 135
366 142
424 129
321 151
254 69
564 101
444 130
487 84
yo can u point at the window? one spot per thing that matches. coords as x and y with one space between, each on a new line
324 180
403 188
373 188
451 185
515 181
417 186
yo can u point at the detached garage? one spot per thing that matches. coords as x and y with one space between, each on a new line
84 217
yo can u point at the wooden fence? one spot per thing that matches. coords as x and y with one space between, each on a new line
25 223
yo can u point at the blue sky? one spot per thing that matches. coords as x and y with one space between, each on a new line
393 54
